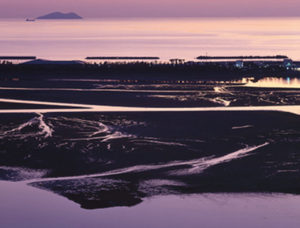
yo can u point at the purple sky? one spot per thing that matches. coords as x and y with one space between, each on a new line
154 8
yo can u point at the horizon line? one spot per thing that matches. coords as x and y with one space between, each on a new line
162 17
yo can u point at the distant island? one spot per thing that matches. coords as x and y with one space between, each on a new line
59 16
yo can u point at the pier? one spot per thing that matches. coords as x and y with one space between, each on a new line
122 58
17 57
241 57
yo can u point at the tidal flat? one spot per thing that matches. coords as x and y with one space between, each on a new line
94 151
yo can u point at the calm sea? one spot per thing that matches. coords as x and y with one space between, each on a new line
166 38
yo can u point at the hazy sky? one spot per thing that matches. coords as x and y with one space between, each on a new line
154 8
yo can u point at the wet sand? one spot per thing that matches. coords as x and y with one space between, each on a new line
34 107
294 109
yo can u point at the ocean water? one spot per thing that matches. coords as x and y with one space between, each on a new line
207 210
166 38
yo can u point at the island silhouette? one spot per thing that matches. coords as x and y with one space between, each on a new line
60 15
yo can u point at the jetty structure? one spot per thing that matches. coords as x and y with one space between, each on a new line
242 61
17 57
122 58
252 57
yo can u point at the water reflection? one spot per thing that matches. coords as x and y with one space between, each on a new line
199 210
275 83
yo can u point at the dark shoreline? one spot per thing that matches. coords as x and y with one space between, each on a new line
144 71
